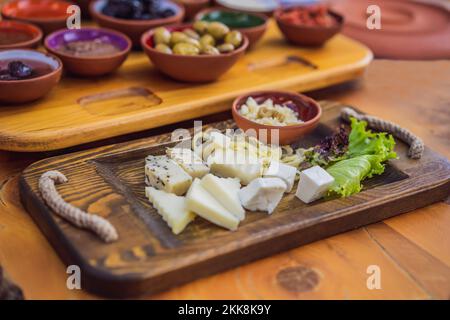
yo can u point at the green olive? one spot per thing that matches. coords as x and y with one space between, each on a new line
192 41
177 37
225 47
201 26
186 49
218 30
191 34
161 47
234 37
207 39
161 35
208 49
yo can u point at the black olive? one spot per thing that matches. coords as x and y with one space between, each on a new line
19 70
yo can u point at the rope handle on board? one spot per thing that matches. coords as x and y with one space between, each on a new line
99 225
416 145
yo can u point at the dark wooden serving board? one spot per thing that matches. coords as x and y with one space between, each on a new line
147 258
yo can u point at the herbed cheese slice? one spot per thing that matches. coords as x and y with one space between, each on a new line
172 208
225 190
283 171
231 164
205 205
165 174
262 194
314 184
189 161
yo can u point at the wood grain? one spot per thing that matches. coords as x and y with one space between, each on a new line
33 264
137 97
109 181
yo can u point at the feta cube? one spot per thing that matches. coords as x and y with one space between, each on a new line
284 172
262 194
314 184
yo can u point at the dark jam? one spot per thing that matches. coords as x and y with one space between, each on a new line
136 9
11 36
22 69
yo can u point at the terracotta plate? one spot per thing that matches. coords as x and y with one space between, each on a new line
409 30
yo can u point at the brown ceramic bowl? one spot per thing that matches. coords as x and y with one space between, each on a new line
254 34
308 110
134 28
262 7
49 15
308 35
89 66
192 7
26 90
84 6
200 68
31 34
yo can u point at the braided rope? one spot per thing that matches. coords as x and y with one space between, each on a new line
416 145
99 225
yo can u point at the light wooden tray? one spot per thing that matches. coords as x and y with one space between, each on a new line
137 97
109 181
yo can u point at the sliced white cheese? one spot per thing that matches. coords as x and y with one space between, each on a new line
262 194
189 161
205 205
219 139
225 190
231 164
314 184
165 174
283 171
172 208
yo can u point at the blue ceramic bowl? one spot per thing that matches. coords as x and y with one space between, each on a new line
87 65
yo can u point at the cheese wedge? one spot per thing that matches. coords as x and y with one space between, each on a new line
283 171
231 164
225 191
189 161
165 174
205 205
172 208
262 194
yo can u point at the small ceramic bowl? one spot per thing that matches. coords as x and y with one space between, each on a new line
49 15
134 28
26 90
254 34
84 6
308 110
303 35
200 68
266 7
192 7
23 35
89 65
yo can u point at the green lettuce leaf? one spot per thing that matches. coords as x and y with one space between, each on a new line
364 158
349 173
364 142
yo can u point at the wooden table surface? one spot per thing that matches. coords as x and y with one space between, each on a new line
411 250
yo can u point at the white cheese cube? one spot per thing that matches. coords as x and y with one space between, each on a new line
314 184
172 208
165 174
225 190
219 140
231 164
189 161
205 205
262 194
283 171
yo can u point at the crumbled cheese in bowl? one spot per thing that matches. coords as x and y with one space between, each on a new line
269 113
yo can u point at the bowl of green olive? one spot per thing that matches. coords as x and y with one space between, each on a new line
198 52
